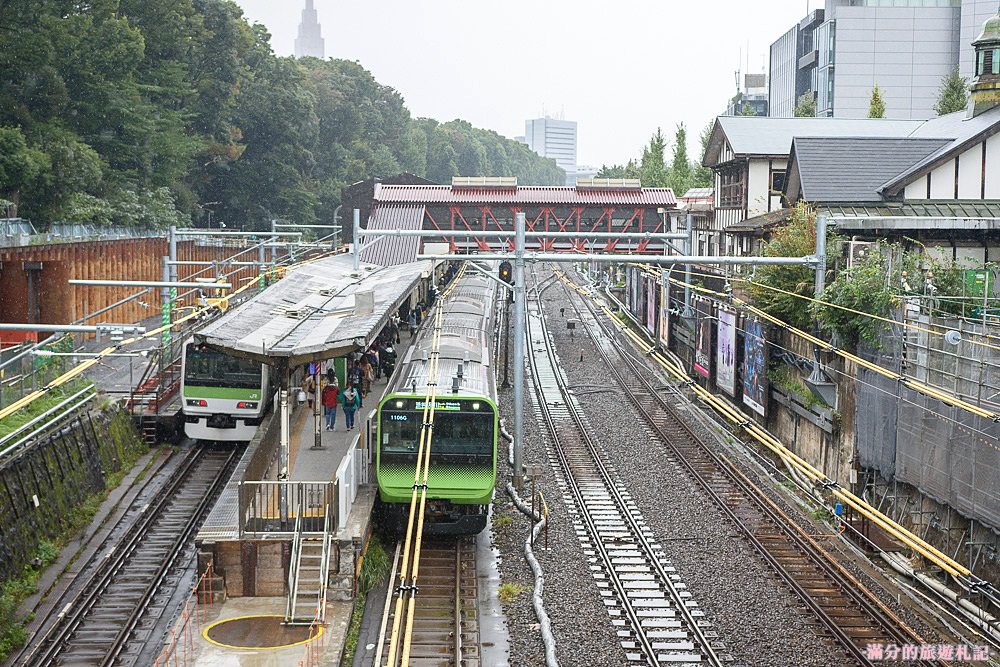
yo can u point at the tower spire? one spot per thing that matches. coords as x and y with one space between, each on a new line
310 41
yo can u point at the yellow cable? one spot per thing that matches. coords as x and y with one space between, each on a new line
942 560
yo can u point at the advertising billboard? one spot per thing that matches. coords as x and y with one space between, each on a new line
651 292
755 367
664 333
703 337
725 353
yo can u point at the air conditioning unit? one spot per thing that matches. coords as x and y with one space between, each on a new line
857 251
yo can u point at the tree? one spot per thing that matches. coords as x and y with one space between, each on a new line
702 176
806 106
679 177
747 110
653 168
876 105
779 290
954 94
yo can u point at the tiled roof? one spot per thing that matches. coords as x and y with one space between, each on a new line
524 195
850 169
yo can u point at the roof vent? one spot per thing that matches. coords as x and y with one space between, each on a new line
608 184
492 182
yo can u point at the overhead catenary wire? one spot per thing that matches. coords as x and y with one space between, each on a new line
908 382
410 567
792 459
83 366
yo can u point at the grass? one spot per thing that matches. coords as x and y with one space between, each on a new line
508 592
821 514
21 417
501 521
14 592
374 567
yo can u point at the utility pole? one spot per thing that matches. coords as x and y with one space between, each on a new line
818 376
519 325
356 241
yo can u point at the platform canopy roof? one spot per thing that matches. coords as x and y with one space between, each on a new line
319 310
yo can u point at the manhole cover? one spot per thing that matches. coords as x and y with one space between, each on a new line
259 632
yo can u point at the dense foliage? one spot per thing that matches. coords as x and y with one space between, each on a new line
877 282
653 171
780 289
160 111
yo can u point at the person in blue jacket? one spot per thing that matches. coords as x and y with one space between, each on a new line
350 401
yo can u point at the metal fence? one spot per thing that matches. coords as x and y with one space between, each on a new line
269 508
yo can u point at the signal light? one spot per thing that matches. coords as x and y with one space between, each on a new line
506 272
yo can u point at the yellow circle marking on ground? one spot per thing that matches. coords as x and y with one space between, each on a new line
204 633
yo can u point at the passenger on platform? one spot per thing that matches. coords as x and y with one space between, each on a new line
309 386
350 400
330 396
411 321
367 375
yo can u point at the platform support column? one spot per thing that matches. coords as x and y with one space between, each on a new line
317 425
356 240
283 380
172 248
519 326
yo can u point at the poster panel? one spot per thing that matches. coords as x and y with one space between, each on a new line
725 357
703 337
754 367
651 292
664 333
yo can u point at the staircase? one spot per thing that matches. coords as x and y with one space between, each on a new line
308 575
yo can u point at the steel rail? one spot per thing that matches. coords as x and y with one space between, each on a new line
702 642
58 637
876 612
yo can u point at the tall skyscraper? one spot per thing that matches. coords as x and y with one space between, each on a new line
906 47
310 42
555 139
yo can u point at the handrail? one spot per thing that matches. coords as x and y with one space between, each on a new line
43 416
293 571
324 566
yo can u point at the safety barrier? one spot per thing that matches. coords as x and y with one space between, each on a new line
271 507
180 649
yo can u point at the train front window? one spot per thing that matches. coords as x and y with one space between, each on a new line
204 367
458 434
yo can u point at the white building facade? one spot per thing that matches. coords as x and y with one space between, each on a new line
554 139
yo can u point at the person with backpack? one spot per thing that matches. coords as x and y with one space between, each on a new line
350 399
331 394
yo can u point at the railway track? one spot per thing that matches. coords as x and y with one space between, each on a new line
446 622
843 610
112 615
656 619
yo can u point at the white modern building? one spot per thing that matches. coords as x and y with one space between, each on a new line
310 41
554 139
906 47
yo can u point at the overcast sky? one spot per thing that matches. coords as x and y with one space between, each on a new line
619 68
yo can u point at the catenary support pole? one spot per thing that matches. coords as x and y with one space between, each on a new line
688 312
356 240
317 428
519 325
817 375
283 371
172 248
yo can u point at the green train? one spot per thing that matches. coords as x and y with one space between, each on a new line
463 461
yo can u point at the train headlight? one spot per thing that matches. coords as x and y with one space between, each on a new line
475 406
246 405
198 403
399 404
